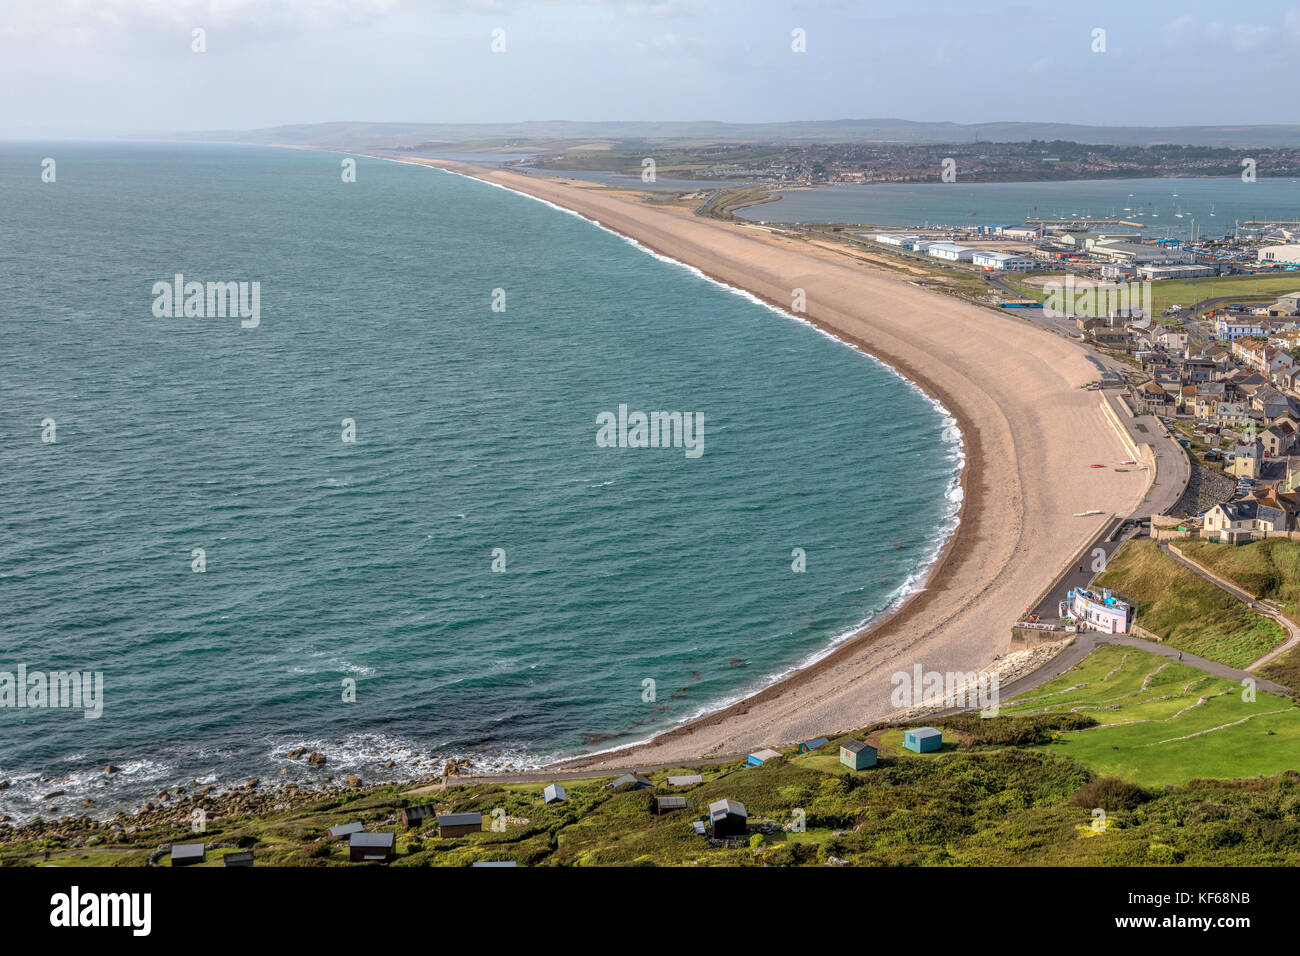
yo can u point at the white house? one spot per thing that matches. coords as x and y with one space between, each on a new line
1238 327
1096 610
1234 517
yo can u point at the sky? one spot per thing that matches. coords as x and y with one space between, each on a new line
104 68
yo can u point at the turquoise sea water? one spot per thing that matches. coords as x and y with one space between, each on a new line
1214 204
475 431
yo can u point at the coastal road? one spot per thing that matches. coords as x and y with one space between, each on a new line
1088 641
1173 470
1080 573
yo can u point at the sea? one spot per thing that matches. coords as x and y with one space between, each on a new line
373 514
1173 207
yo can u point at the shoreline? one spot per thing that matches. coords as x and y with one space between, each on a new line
898 611
711 734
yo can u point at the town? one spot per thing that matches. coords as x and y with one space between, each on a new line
806 164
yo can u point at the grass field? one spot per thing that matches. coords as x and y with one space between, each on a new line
1187 292
1269 569
1186 611
1161 722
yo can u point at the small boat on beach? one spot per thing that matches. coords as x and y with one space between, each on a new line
1087 514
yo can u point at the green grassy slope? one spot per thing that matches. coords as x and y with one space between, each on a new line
1186 611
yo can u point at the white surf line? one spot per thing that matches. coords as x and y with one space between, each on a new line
952 436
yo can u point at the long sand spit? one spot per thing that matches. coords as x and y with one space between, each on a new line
1030 431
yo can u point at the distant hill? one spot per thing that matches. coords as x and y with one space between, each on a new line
359 134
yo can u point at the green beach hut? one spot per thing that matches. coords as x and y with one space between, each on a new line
857 755
923 740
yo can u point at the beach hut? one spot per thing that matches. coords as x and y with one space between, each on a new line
688 780
554 794
459 824
857 755
923 740
669 804
187 854
630 780
760 757
416 816
238 858
372 847
810 745
344 829
728 818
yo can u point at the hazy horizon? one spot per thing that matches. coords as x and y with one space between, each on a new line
129 68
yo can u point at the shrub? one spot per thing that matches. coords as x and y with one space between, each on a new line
1111 794
1163 853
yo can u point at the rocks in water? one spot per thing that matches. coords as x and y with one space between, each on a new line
54 793
252 784
4 784
351 781
296 752
111 768
388 766
316 759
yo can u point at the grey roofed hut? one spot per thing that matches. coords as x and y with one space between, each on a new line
344 829
630 780
459 824
187 854
372 847
689 780
857 754
669 804
728 818
238 858
414 816
554 794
